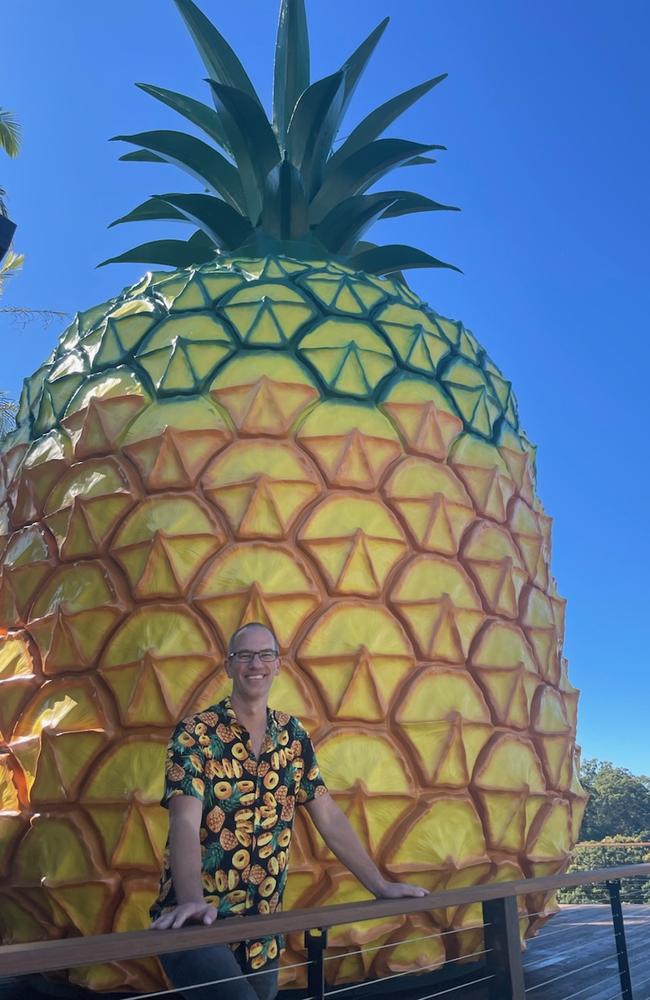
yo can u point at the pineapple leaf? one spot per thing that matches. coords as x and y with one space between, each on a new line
291 70
199 114
151 210
364 245
280 183
418 160
354 66
395 257
196 157
218 58
378 120
408 202
286 210
142 156
341 229
312 128
172 253
356 173
221 223
345 224
251 139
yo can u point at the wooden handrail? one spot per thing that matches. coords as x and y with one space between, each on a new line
613 843
48 956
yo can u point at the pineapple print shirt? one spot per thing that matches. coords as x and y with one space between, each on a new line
248 809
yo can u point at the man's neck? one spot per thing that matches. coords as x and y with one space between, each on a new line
249 713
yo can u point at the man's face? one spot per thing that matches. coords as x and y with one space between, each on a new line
254 662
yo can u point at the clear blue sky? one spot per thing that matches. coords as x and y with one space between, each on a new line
545 114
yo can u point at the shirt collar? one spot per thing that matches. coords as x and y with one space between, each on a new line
227 711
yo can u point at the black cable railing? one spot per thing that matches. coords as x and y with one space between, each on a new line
618 939
494 970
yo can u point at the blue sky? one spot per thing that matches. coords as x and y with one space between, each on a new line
545 115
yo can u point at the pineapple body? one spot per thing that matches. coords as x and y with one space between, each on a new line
300 444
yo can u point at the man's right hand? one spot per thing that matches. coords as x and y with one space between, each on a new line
186 913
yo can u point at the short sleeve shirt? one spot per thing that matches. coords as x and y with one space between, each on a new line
248 810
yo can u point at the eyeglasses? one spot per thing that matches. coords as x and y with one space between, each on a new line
248 655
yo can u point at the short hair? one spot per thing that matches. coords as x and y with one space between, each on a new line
242 628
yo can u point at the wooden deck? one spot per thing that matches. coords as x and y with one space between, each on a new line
579 936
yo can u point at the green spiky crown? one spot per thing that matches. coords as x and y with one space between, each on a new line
280 186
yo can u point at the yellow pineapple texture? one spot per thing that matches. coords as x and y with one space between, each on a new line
295 443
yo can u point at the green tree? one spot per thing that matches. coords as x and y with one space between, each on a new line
609 853
619 801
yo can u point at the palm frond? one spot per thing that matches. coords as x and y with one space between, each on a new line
10 133
12 263
8 410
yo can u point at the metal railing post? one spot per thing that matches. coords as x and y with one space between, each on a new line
614 890
504 949
316 943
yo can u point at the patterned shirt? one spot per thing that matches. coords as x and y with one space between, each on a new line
248 809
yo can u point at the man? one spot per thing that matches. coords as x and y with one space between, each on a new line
234 776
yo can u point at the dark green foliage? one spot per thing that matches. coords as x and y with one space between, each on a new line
313 126
281 182
395 257
220 222
285 209
354 66
360 171
407 202
197 158
177 253
341 230
615 831
291 70
376 123
207 119
151 210
222 64
619 801
350 219
609 853
252 141
141 156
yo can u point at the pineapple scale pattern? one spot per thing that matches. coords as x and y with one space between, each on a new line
295 443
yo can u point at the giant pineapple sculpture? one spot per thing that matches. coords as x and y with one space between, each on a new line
278 430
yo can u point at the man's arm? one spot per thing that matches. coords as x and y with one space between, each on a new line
185 863
338 833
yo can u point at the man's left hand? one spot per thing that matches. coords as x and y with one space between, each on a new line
395 890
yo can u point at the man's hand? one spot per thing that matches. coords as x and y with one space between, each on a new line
186 913
395 890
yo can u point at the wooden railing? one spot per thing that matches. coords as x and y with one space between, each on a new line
501 922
